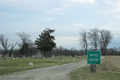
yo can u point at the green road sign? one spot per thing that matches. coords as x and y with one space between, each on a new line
93 57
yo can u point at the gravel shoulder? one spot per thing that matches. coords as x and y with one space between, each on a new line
59 72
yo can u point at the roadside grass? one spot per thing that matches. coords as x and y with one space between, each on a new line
113 63
102 73
21 64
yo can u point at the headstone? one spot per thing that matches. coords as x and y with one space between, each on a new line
8 60
76 55
73 58
12 56
63 60
63 56
0 56
40 55
60 58
7 56
79 56
33 56
36 56
52 57
31 64
15 56
43 57
24 57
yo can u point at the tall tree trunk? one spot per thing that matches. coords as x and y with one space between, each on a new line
102 51
6 52
86 52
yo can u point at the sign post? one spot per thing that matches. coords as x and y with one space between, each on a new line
93 58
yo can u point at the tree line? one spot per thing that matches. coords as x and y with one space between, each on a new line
95 39
44 43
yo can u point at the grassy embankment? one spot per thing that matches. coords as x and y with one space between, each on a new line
109 69
23 64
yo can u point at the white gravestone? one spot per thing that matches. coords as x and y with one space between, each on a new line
76 55
63 56
24 57
30 64
0 56
73 58
36 56
40 55
52 57
7 56
43 57
12 56
33 56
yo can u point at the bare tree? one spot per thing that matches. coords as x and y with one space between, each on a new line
105 39
24 37
93 36
25 43
83 40
12 47
4 43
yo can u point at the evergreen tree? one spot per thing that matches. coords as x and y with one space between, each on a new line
45 42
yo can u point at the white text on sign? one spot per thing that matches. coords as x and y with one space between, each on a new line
93 55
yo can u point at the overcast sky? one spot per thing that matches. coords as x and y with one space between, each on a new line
67 17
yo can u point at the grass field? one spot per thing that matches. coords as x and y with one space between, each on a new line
21 64
102 72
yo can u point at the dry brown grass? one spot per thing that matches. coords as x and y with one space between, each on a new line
113 63
102 73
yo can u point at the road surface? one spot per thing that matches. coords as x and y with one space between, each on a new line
59 72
